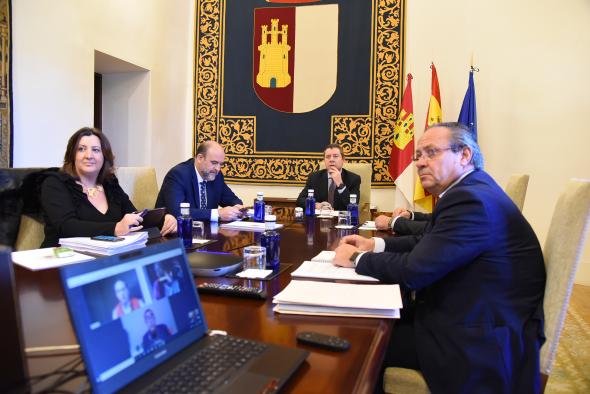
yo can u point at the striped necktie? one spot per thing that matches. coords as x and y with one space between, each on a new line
203 190
331 190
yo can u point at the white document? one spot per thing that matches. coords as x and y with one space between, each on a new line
85 244
252 273
247 225
325 256
291 309
323 270
40 259
368 225
343 295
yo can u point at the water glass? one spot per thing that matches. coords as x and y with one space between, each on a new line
343 218
254 257
198 231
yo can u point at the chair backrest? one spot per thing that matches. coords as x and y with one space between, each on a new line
365 171
31 233
516 188
140 184
563 247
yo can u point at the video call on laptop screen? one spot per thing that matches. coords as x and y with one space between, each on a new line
131 315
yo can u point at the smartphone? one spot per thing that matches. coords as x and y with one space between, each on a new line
108 238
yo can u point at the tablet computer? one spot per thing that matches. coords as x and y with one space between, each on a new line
154 218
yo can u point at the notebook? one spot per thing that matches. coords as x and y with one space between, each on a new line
140 324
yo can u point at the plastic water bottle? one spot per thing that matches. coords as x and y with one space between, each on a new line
271 240
259 207
185 224
310 203
353 208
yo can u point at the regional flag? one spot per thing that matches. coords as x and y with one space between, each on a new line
468 115
402 146
422 198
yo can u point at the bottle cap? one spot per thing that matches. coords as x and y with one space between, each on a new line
270 218
185 205
260 194
309 191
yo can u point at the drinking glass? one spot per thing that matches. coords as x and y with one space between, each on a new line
254 257
198 231
344 219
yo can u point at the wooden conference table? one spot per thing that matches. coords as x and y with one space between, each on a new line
46 322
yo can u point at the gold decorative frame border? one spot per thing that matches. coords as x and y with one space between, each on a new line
5 84
365 138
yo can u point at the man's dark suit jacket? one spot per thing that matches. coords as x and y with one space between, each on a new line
181 185
403 226
318 181
479 269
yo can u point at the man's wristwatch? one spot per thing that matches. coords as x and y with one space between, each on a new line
353 258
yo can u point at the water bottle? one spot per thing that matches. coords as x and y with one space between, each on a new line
353 208
185 224
271 240
259 207
310 203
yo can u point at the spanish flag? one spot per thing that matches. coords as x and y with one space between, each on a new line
422 198
402 146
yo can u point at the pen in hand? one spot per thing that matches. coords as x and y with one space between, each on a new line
141 214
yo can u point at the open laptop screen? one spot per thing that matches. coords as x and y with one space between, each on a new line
131 312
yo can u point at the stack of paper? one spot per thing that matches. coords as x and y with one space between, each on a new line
325 256
85 244
322 270
247 225
368 225
40 259
339 299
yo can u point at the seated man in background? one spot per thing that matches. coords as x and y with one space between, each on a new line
403 222
333 184
156 334
199 182
476 324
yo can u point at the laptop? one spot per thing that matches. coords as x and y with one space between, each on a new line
140 325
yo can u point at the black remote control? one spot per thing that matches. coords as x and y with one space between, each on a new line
232 290
323 340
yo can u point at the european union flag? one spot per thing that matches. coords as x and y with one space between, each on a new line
468 115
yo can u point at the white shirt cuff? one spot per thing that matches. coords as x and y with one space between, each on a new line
214 215
379 245
393 221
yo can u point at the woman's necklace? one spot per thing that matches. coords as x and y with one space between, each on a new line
91 191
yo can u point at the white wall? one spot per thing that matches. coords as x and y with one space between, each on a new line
53 70
531 92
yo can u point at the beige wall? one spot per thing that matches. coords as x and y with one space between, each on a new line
531 92
53 65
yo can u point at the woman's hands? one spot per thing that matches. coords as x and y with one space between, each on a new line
130 222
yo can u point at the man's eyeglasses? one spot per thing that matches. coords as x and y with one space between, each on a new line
429 153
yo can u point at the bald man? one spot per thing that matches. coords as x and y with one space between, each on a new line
199 182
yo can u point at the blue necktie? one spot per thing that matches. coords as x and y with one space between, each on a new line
203 189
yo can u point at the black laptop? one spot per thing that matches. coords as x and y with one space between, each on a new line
141 328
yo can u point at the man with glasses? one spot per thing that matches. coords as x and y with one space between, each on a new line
474 322
199 182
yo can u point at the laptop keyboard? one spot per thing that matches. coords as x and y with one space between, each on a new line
210 367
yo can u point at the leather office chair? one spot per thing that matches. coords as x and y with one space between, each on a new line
516 188
562 251
140 184
365 171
